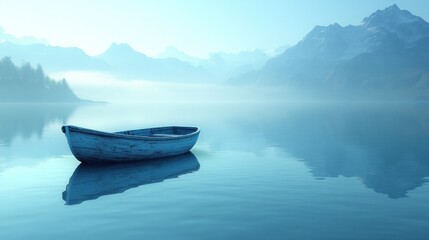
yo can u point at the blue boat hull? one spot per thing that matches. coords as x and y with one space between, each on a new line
90 146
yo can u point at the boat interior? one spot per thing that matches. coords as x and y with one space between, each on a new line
161 132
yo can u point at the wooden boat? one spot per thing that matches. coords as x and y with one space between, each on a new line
91 181
91 146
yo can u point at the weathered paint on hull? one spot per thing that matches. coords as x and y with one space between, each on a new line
93 146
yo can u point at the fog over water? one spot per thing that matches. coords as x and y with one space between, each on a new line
280 165
324 135
100 86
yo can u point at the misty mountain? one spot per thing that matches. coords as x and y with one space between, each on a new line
4 37
129 63
172 52
123 61
28 84
222 65
388 51
227 65
120 60
53 59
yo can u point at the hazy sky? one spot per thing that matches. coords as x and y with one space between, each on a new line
197 27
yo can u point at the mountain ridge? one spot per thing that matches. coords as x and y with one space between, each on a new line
387 51
123 61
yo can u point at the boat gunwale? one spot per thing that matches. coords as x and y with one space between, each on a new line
73 128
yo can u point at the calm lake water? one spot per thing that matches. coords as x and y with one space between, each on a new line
258 171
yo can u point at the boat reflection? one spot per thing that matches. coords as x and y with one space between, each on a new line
90 181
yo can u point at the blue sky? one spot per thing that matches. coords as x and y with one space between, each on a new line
197 27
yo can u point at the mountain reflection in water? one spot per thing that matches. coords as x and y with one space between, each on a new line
385 145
